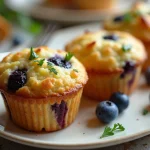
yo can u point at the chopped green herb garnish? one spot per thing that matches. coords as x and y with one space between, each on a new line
49 63
51 68
40 62
128 17
111 131
126 48
75 70
145 112
33 55
68 56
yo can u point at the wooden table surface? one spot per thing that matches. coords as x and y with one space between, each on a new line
140 144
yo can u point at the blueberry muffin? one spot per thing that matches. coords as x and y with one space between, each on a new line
137 22
96 4
59 3
42 88
112 59
82 4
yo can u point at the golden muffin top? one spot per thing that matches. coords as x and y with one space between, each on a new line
41 72
136 21
107 51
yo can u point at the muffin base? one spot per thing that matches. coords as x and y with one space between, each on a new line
101 86
43 114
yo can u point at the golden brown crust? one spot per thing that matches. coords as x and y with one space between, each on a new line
40 81
106 56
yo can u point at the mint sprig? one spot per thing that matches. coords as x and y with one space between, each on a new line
68 56
51 68
108 131
40 62
33 55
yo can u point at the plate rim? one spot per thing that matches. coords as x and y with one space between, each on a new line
101 144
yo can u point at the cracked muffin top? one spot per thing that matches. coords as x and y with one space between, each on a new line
136 21
41 72
106 52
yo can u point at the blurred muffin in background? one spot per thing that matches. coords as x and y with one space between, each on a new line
4 29
60 3
95 4
137 22
112 59
83 4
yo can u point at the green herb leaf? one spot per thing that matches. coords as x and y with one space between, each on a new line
145 112
126 48
49 63
68 56
111 131
128 17
40 62
75 70
33 55
107 132
51 68
118 127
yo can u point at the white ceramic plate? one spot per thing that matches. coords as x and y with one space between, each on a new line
38 10
86 129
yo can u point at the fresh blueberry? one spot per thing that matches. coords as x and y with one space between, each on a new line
118 18
128 67
17 79
147 75
16 41
106 111
121 100
59 61
111 37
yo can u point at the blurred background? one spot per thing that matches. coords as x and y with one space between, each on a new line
23 20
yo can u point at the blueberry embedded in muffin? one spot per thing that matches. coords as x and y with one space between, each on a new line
128 68
42 84
60 61
118 18
17 79
111 37
60 112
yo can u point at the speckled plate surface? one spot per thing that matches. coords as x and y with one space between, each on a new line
86 129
